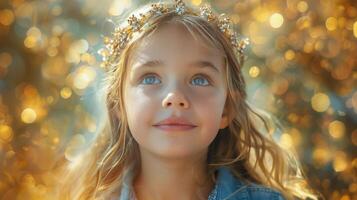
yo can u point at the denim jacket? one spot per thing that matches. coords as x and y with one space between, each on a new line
227 187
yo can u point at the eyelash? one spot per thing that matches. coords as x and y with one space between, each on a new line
197 75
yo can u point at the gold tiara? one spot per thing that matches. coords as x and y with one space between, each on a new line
122 35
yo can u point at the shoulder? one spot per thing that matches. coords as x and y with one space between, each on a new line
231 188
255 191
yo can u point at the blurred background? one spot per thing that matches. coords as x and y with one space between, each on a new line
301 66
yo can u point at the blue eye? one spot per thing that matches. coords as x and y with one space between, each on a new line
150 80
201 81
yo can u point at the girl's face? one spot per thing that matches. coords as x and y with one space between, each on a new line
172 75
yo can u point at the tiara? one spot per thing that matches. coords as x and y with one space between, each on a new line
122 35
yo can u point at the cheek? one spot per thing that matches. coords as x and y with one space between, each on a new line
140 109
210 109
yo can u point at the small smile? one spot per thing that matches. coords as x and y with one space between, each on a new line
175 127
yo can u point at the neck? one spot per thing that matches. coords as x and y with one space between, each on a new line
160 178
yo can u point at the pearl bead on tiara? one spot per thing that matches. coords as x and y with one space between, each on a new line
122 35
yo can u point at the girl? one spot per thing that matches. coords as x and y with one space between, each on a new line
179 125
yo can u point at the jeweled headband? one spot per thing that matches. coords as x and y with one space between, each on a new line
122 35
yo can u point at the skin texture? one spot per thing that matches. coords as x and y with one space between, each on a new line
173 163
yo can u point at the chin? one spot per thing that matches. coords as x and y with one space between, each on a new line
178 152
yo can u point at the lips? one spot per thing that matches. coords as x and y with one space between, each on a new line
175 127
175 124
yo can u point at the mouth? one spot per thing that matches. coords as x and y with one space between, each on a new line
175 127
175 123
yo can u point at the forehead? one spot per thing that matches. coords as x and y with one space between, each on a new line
175 41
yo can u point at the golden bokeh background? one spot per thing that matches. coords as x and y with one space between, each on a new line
300 66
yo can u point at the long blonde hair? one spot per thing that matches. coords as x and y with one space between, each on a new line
246 146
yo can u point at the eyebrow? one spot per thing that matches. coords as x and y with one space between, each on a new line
200 64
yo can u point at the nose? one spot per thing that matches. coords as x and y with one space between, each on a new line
176 100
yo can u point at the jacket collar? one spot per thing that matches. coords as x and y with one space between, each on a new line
227 185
